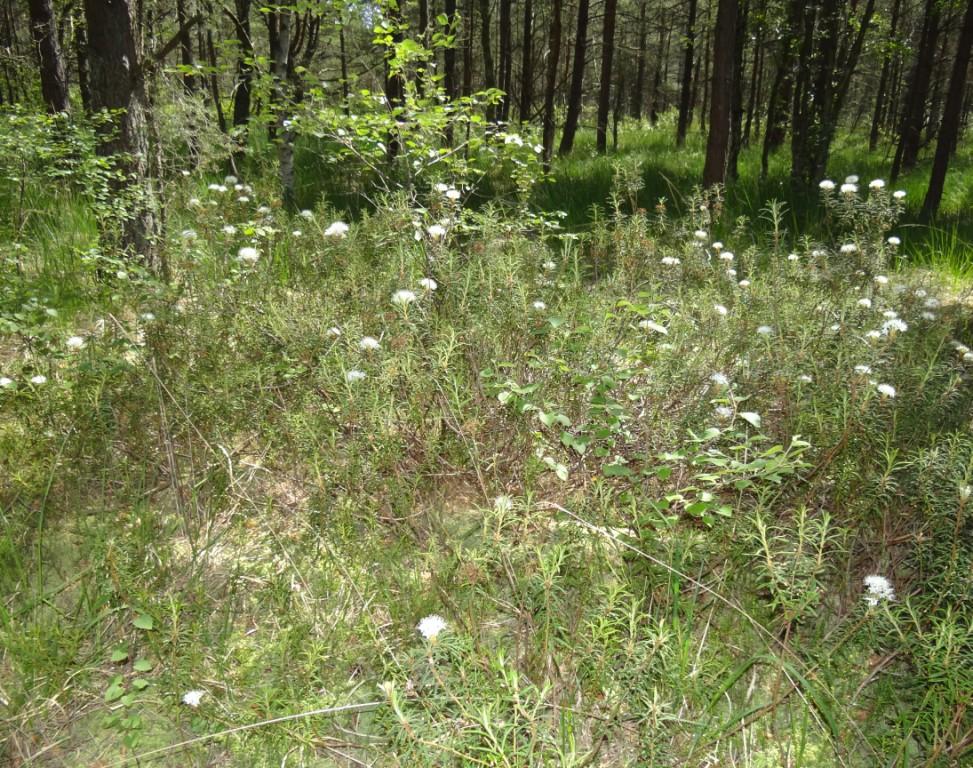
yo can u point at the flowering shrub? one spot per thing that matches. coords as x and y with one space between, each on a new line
423 465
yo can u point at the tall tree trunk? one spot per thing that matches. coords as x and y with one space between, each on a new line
736 109
638 93
656 107
118 84
605 86
782 90
81 56
576 92
755 72
686 86
506 59
449 55
489 74
914 111
343 55
279 28
185 48
952 114
244 79
54 82
214 81
527 64
721 101
550 86
469 23
883 80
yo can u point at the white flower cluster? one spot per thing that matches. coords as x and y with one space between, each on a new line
878 589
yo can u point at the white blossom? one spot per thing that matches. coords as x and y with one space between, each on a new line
670 261
75 342
893 326
248 255
428 284
193 698
827 185
899 194
403 298
354 375
894 241
849 188
540 306
436 231
431 626
878 589
336 229
721 310
5 382
876 184
849 248
886 390
39 379
866 303
863 370
369 344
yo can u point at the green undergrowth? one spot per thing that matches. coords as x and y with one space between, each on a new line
639 477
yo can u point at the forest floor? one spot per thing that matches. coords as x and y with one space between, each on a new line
662 490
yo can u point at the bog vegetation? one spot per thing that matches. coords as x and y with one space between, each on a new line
363 404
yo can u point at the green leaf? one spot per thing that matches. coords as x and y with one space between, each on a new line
115 690
617 470
140 683
142 665
144 621
119 655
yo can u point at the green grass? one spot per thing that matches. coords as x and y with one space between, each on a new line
637 565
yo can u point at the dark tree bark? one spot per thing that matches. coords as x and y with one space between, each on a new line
883 80
952 116
118 83
638 93
244 75
577 81
449 55
185 47
826 71
469 24
656 107
605 86
724 45
686 86
550 86
54 82
506 60
81 57
489 73
527 64
914 111
755 72
736 108
214 81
